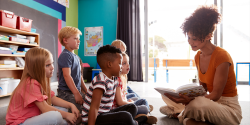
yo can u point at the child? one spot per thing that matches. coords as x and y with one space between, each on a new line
101 93
130 93
122 46
120 98
31 100
71 84
216 73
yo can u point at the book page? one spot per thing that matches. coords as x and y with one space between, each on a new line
167 90
192 91
187 86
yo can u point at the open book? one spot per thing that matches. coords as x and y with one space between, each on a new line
191 90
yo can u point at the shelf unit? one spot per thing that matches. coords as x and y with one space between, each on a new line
15 72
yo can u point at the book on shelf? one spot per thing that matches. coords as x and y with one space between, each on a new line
7 65
23 49
7 62
4 48
191 90
5 51
19 53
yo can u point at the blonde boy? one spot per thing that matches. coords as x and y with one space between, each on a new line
71 84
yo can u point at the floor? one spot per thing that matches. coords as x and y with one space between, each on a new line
146 90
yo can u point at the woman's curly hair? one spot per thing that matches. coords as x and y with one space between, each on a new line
202 22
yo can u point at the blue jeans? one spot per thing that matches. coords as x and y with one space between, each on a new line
142 109
47 118
131 95
129 90
141 102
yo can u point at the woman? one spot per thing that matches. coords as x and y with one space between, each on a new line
216 73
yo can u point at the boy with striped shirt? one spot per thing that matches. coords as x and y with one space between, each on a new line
101 93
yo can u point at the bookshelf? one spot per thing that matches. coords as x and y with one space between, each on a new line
15 72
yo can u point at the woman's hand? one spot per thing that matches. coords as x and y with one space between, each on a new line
74 110
71 118
182 99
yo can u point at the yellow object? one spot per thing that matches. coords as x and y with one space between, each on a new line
99 39
94 37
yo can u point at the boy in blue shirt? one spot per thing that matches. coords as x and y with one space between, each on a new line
71 84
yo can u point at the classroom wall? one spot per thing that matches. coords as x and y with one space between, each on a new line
66 16
42 12
92 13
72 15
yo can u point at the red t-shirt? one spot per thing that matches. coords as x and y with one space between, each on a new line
115 105
20 110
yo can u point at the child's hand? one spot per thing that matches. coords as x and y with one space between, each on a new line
78 98
130 100
83 91
74 110
71 118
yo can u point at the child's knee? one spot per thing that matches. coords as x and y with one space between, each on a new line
131 105
144 101
55 116
142 109
127 117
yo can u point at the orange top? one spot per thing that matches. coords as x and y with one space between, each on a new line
218 57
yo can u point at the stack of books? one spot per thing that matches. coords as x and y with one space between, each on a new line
4 50
7 63
21 51
3 37
18 38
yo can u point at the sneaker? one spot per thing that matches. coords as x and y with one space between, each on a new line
151 120
141 118
151 108
166 110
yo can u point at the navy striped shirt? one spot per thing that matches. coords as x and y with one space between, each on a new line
100 81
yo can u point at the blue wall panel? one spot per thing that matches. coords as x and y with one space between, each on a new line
94 13
54 5
42 8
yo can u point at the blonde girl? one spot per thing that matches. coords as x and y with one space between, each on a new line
122 46
31 102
